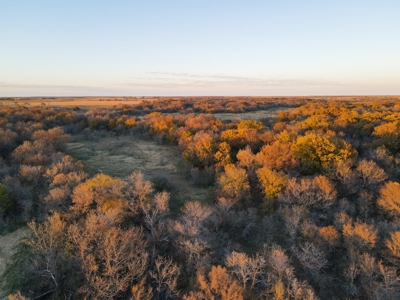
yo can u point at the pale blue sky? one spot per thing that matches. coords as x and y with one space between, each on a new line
64 48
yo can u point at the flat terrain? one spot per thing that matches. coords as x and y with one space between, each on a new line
119 156
81 102
109 102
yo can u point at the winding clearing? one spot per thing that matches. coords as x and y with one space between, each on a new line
119 156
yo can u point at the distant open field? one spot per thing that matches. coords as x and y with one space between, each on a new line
109 102
81 102
358 99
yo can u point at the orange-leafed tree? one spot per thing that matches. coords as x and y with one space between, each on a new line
360 236
389 199
218 284
277 156
329 234
246 158
97 192
393 243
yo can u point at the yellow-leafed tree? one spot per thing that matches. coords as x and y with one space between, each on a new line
321 151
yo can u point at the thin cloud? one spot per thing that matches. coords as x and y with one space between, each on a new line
177 80
47 86
164 83
191 75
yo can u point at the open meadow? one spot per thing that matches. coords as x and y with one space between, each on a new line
119 156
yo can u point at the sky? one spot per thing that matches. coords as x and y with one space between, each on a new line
199 47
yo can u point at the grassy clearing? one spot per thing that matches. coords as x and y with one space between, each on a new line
119 156
251 115
8 245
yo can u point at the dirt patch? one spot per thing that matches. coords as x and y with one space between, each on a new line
119 156
8 244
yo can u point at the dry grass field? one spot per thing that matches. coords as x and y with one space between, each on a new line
109 102
119 156
81 102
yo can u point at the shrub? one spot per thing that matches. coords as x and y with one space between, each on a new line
5 201
162 183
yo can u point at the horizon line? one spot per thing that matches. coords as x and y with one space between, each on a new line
165 96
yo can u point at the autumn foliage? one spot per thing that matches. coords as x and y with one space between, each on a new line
301 203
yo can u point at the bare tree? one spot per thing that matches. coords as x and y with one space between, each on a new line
138 187
310 192
46 242
221 216
370 173
194 250
343 172
292 217
194 216
111 258
311 258
54 137
192 235
246 268
365 206
278 264
30 175
350 273
64 166
389 288
165 276
154 209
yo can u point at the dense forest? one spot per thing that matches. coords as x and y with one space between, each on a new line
302 205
